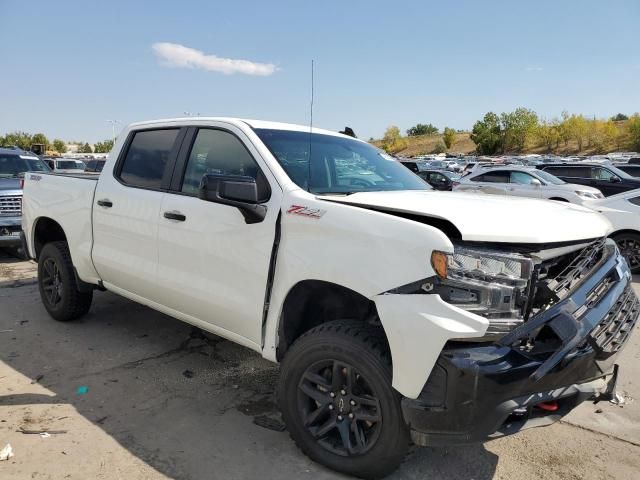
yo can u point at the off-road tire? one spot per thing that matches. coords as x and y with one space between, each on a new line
365 348
69 302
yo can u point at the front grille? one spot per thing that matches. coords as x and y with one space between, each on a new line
611 333
10 206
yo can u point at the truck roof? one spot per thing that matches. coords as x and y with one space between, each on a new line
237 121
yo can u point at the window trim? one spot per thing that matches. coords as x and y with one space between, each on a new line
180 166
168 172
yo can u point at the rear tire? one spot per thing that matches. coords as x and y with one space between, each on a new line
58 285
629 246
336 398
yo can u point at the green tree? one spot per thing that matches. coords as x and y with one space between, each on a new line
18 139
392 142
576 127
518 127
103 147
633 129
487 134
439 147
548 134
59 146
422 129
41 139
619 117
86 148
448 137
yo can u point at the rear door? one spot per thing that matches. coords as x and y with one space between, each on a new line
492 182
213 266
580 175
126 211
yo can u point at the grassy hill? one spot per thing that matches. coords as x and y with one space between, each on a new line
425 144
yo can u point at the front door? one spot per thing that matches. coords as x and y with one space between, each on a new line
213 266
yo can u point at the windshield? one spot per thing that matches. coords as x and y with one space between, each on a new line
16 165
338 164
69 165
619 172
547 177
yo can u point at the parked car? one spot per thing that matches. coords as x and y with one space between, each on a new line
414 165
525 182
13 164
453 166
623 211
94 166
439 179
398 313
65 165
608 179
633 170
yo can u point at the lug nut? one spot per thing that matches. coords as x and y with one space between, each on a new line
342 392
340 417
353 403
330 407
351 415
332 394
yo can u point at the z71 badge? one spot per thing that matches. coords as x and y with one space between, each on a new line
305 211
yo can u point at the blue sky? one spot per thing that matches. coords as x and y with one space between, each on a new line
68 66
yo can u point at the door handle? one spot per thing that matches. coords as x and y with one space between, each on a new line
175 216
105 202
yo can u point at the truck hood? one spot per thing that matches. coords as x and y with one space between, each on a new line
489 218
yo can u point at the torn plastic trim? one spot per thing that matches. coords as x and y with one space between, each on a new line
568 320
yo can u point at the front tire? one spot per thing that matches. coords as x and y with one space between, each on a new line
337 401
58 286
629 246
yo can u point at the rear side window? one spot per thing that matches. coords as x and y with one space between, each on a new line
576 172
147 158
493 177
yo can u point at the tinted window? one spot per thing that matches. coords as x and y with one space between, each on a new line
16 165
635 200
493 177
521 178
576 172
220 152
147 158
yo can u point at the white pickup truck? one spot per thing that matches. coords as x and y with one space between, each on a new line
399 314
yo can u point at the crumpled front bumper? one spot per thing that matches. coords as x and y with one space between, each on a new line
480 391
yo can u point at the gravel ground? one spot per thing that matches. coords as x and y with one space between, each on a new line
142 396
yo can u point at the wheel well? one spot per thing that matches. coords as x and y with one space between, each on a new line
558 199
46 231
620 232
313 302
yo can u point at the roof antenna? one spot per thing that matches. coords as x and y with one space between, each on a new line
310 131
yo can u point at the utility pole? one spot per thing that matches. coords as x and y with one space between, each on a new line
113 129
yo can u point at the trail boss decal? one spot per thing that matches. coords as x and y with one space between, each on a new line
305 211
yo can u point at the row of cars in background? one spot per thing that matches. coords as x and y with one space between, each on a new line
14 163
605 184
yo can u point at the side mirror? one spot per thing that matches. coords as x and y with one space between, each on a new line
536 183
615 179
236 191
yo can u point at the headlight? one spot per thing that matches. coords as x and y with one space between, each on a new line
591 195
487 283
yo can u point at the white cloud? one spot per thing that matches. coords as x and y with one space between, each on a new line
534 69
176 55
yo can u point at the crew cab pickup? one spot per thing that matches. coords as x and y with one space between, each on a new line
399 313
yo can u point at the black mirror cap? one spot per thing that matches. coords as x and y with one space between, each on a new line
236 191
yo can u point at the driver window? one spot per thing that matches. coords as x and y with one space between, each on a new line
599 173
220 152
521 178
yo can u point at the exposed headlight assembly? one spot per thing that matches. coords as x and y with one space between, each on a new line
590 195
487 283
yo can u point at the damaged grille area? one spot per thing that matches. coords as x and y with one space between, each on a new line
614 329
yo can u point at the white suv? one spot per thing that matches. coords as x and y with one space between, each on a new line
525 182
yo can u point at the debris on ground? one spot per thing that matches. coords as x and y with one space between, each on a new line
82 390
270 423
45 435
40 432
37 379
6 453
621 399
188 373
